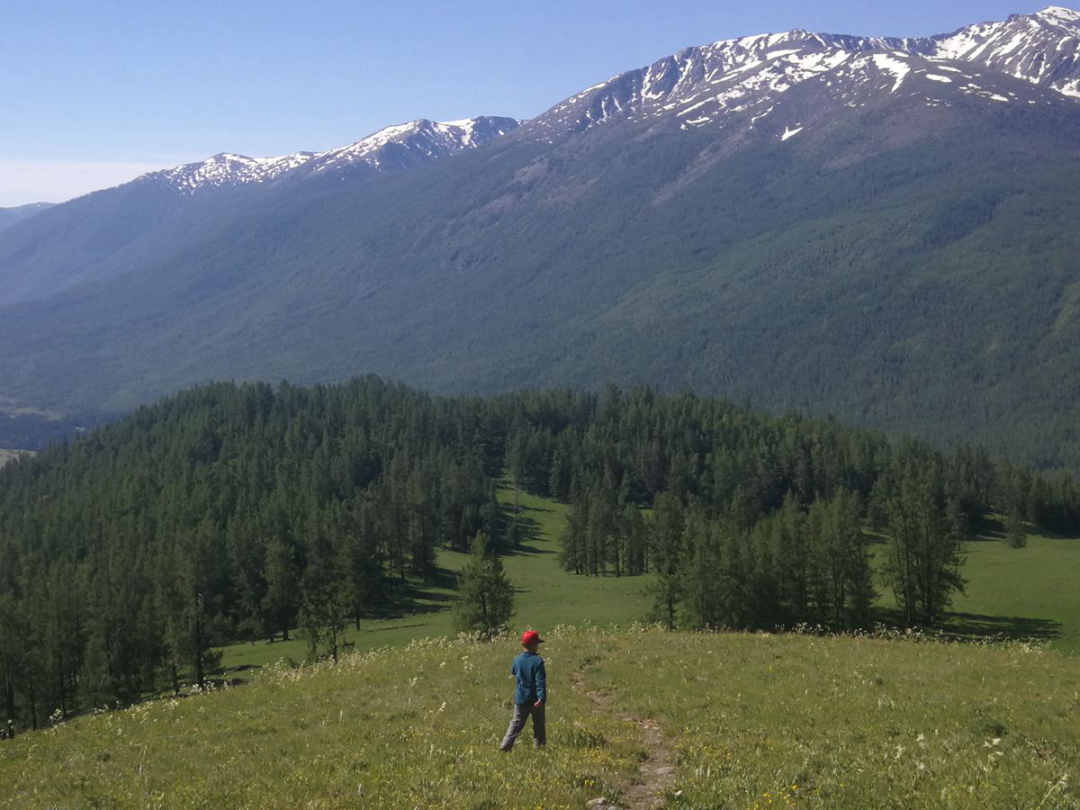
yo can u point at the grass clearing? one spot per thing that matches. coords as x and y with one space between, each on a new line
1026 593
1018 593
1032 591
547 596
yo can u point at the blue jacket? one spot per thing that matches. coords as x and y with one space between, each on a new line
528 670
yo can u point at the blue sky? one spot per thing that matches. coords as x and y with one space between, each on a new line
95 93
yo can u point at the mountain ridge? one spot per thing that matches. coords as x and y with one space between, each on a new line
416 141
741 67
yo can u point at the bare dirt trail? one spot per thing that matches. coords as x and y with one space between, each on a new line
656 774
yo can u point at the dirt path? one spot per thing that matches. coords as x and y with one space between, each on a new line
656 775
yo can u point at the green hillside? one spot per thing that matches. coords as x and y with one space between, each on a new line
702 720
1024 595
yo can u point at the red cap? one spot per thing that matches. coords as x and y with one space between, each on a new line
529 636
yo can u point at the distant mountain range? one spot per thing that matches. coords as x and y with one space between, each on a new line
121 229
9 216
881 228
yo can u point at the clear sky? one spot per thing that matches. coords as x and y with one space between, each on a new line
95 92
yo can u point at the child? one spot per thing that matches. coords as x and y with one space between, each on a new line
530 694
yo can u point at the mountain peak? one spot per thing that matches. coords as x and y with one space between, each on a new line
1059 15
1042 48
402 145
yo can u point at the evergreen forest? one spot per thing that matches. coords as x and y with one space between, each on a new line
232 512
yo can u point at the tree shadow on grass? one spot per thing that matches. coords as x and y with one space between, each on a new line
989 532
517 530
961 626
522 550
415 598
978 626
395 628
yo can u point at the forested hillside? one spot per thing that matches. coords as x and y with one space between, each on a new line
10 216
232 512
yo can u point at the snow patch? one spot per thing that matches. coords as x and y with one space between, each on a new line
894 66
791 133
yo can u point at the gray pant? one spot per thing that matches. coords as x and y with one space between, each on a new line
517 723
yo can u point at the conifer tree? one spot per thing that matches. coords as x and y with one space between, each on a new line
668 553
1015 532
923 566
485 600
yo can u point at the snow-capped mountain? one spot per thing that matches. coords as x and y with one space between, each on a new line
227 169
394 147
1043 48
416 142
714 84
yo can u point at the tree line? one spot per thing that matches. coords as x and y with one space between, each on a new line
233 512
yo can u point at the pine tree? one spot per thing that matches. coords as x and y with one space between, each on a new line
668 551
923 565
1015 531
282 588
325 607
485 600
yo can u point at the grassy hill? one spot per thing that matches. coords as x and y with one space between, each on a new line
743 720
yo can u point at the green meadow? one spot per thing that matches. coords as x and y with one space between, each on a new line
1032 592
745 720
